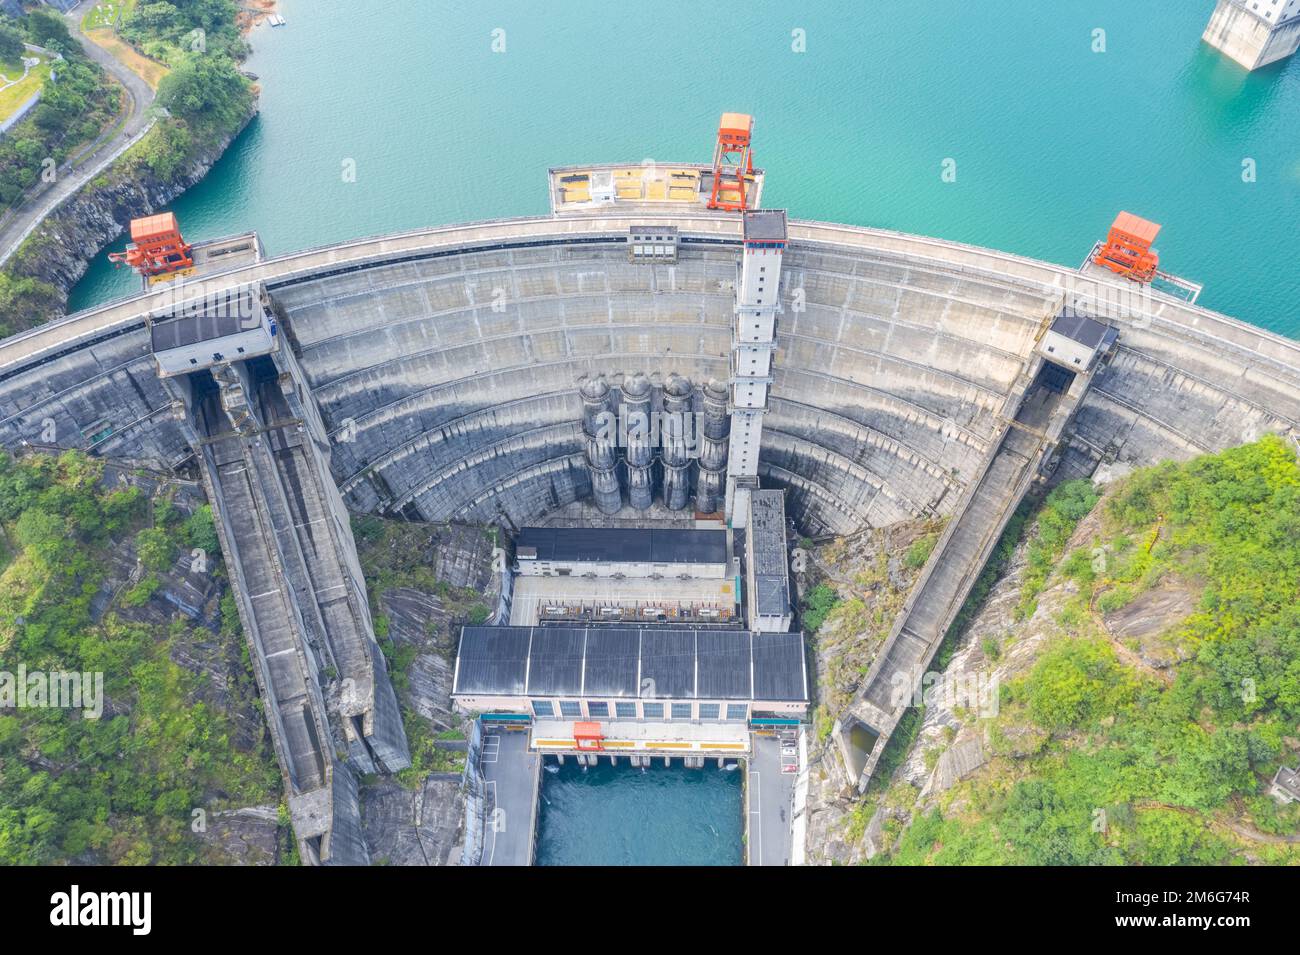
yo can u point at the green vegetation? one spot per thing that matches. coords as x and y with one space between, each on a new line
71 112
816 604
1061 512
23 298
389 553
395 555
426 756
162 30
11 45
920 551
122 788
45 27
1101 760
106 13
207 92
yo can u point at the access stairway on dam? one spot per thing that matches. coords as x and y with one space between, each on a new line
330 704
1034 417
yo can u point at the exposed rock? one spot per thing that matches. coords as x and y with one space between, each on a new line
952 742
956 763
191 591
1143 622
419 619
870 574
874 840
414 827
248 836
428 578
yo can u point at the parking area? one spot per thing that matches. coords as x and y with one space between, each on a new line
773 768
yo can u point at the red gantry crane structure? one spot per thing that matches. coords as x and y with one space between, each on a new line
1127 250
156 247
733 163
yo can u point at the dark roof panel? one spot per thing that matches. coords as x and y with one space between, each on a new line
492 660
667 663
555 662
613 656
723 664
218 315
673 663
1086 331
765 224
779 667
771 596
624 545
769 572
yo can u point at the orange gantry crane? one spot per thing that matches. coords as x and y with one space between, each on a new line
733 163
1127 250
156 248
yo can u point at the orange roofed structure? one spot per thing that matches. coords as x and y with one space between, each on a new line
156 246
1128 249
587 736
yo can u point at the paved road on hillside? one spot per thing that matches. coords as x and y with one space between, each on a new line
139 98
510 773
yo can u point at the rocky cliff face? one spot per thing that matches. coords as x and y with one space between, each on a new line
425 580
955 742
185 610
872 576
62 247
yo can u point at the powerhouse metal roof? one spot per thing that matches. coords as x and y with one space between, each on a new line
634 662
216 315
1080 328
770 579
622 545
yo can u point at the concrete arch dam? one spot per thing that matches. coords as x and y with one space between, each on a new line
435 375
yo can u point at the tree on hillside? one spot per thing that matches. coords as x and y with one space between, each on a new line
46 28
206 90
160 25
11 42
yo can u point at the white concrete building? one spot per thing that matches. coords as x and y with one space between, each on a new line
661 552
1255 32
753 343
767 573
218 328
1075 341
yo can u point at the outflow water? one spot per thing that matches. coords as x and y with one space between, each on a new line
1049 138
620 815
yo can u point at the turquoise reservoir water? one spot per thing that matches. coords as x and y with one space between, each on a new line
617 815
1050 139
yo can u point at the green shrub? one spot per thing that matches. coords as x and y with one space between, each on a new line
920 551
819 602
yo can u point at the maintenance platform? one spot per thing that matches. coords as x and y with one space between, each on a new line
648 186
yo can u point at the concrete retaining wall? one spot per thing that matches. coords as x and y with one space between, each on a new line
21 113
